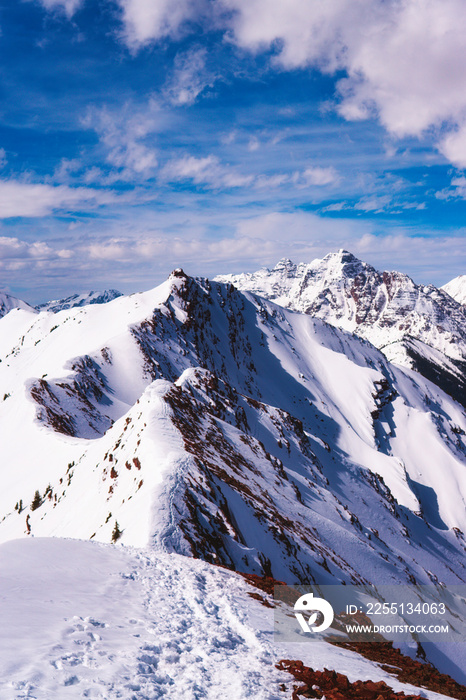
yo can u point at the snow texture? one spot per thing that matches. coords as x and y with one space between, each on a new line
83 620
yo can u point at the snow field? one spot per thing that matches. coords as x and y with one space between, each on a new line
86 620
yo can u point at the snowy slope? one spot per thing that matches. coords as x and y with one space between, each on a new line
414 325
215 424
79 300
456 288
81 620
7 303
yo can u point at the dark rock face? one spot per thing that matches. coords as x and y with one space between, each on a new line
336 686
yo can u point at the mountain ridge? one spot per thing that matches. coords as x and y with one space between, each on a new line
410 323
200 420
205 355
456 288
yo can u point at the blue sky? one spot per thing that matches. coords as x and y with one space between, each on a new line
222 135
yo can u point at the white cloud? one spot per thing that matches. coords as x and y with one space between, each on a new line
124 135
404 59
211 172
374 203
265 182
320 176
453 146
140 254
68 6
456 190
16 254
190 77
207 171
146 21
336 206
23 199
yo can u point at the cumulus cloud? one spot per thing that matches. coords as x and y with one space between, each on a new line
403 59
17 255
139 255
453 146
150 20
398 55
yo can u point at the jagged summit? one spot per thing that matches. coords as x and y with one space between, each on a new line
285 265
418 326
178 272
342 255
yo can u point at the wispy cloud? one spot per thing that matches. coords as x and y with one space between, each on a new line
124 136
24 199
320 176
67 6
457 189
189 78
374 203
140 255
403 60
207 171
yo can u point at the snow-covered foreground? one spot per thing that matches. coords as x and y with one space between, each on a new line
86 620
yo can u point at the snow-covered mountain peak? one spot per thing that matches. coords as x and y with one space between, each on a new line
78 300
342 256
8 302
178 272
285 265
387 308
456 288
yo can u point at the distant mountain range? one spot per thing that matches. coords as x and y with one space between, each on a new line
80 300
8 302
